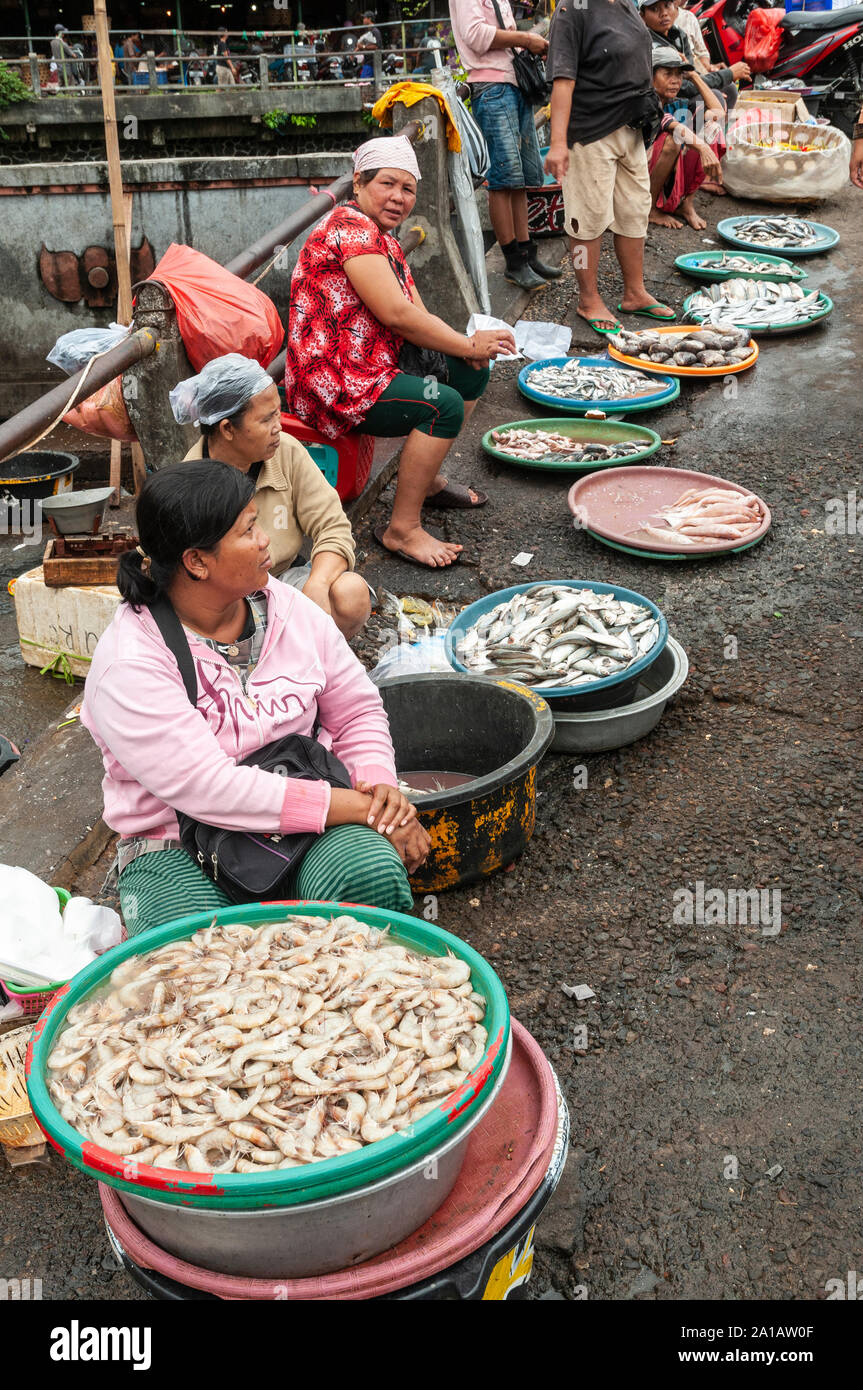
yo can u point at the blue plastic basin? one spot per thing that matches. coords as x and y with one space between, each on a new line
607 693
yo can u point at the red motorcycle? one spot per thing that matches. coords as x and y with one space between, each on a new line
822 47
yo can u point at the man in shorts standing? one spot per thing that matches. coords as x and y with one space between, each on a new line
485 35
603 108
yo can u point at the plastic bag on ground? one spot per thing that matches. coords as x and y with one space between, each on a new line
74 350
33 933
773 174
413 659
538 340
217 312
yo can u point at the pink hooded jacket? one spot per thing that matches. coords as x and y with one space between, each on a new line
160 754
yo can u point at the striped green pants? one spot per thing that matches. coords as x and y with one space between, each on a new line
349 863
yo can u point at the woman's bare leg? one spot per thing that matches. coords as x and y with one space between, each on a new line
421 459
585 263
659 175
439 481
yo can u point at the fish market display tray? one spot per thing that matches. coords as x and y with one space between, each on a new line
705 265
600 693
667 389
664 369
290 1186
588 431
828 237
797 326
612 507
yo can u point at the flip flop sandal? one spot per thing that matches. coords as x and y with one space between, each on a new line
603 332
378 534
647 312
455 497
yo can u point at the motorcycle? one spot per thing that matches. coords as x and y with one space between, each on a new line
824 48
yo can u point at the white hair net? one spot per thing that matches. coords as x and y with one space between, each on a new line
223 387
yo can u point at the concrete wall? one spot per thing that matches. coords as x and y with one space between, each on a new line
219 206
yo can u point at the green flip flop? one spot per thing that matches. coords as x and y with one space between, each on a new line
603 332
647 312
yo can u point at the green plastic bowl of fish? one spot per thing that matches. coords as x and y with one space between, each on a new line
759 306
310 1182
741 265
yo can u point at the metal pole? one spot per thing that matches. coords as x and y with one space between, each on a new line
22 428
27 24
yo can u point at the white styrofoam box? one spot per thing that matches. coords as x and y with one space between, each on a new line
61 622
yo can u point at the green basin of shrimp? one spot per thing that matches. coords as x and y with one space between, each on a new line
291 1186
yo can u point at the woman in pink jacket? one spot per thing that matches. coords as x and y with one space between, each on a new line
268 663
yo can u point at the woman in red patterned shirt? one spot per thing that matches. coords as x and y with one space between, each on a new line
354 312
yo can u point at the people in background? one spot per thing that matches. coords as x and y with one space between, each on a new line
268 663
661 17
679 158
356 322
486 47
226 68
236 404
63 54
604 111
133 47
688 24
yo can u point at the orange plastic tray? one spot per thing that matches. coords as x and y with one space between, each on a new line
669 369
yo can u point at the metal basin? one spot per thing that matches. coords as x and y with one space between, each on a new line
598 731
78 513
314 1237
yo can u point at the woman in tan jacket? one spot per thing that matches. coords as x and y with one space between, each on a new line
236 404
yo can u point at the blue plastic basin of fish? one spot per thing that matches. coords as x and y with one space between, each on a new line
828 237
608 693
667 389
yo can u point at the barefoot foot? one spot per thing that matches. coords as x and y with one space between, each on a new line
688 213
663 219
422 546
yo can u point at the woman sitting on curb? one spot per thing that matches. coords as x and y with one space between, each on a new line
355 312
268 663
237 407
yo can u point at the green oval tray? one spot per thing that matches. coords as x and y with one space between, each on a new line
758 330
785 270
667 555
594 431
311 1182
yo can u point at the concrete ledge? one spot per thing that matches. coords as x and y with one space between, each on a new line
217 103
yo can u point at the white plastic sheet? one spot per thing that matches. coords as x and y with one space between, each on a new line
413 659
533 339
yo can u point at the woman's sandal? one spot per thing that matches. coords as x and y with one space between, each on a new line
456 497
615 327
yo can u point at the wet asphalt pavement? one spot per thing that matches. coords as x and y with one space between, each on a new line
713 1053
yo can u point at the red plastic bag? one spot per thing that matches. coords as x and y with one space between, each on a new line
217 312
104 414
762 39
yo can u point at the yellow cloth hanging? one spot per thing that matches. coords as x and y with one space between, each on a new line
409 93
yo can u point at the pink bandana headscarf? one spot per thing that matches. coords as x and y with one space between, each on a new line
387 152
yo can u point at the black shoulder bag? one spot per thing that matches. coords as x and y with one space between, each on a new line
249 866
529 69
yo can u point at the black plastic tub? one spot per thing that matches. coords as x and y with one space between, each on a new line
31 476
495 730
